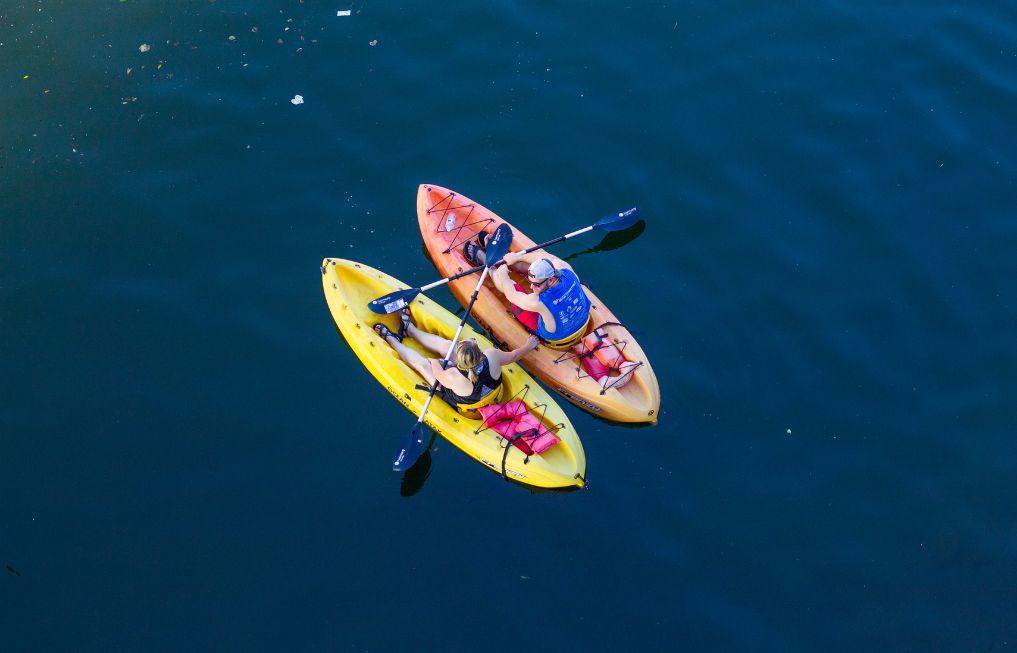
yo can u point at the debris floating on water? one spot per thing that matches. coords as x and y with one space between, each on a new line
232 38
297 99
343 12
374 42
144 47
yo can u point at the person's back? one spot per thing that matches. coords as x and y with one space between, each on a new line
568 304
474 366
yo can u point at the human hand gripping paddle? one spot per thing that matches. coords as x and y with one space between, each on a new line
395 301
416 440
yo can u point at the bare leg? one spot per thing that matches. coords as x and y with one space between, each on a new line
413 359
431 342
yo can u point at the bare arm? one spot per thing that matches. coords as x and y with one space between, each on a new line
508 357
504 284
512 258
449 378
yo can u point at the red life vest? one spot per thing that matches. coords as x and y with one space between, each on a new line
599 356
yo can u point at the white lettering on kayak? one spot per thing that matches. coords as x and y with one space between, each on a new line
578 400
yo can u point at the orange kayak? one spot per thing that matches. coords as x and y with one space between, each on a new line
447 220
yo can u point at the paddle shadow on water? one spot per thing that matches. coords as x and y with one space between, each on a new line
415 477
613 240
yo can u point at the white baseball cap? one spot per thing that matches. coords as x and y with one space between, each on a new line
542 269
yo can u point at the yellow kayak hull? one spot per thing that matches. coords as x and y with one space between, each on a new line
349 286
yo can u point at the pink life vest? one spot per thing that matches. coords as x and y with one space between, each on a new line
513 418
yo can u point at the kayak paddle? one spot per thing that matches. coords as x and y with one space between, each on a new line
395 301
414 443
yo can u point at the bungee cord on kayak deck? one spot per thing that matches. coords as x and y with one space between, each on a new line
520 396
443 222
589 353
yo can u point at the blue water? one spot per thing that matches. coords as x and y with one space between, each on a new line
190 457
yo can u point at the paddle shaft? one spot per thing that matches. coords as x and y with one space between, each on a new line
553 241
455 339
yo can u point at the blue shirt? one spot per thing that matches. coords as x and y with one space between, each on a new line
569 305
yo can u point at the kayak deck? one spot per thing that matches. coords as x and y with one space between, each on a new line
349 286
447 220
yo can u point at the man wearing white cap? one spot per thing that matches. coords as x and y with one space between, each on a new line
557 302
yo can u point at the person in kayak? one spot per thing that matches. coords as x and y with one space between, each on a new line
557 308
469 381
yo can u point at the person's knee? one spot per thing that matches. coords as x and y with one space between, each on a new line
422 368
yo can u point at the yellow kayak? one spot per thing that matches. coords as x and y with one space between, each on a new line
349 286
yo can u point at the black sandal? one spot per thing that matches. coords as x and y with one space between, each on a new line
470 249
405 320
385 332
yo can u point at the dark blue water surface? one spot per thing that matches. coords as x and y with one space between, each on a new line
191 458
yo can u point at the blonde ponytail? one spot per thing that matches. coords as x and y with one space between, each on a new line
468 358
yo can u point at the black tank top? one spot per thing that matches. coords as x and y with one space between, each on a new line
484 385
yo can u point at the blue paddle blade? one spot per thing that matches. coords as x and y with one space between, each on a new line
416 476
497 245
393 301
414 444
620 220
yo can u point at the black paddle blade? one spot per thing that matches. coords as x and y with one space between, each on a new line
393 301
497 245
620 220
414 444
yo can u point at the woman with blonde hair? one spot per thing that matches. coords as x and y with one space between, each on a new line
471 379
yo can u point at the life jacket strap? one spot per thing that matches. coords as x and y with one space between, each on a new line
508 445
